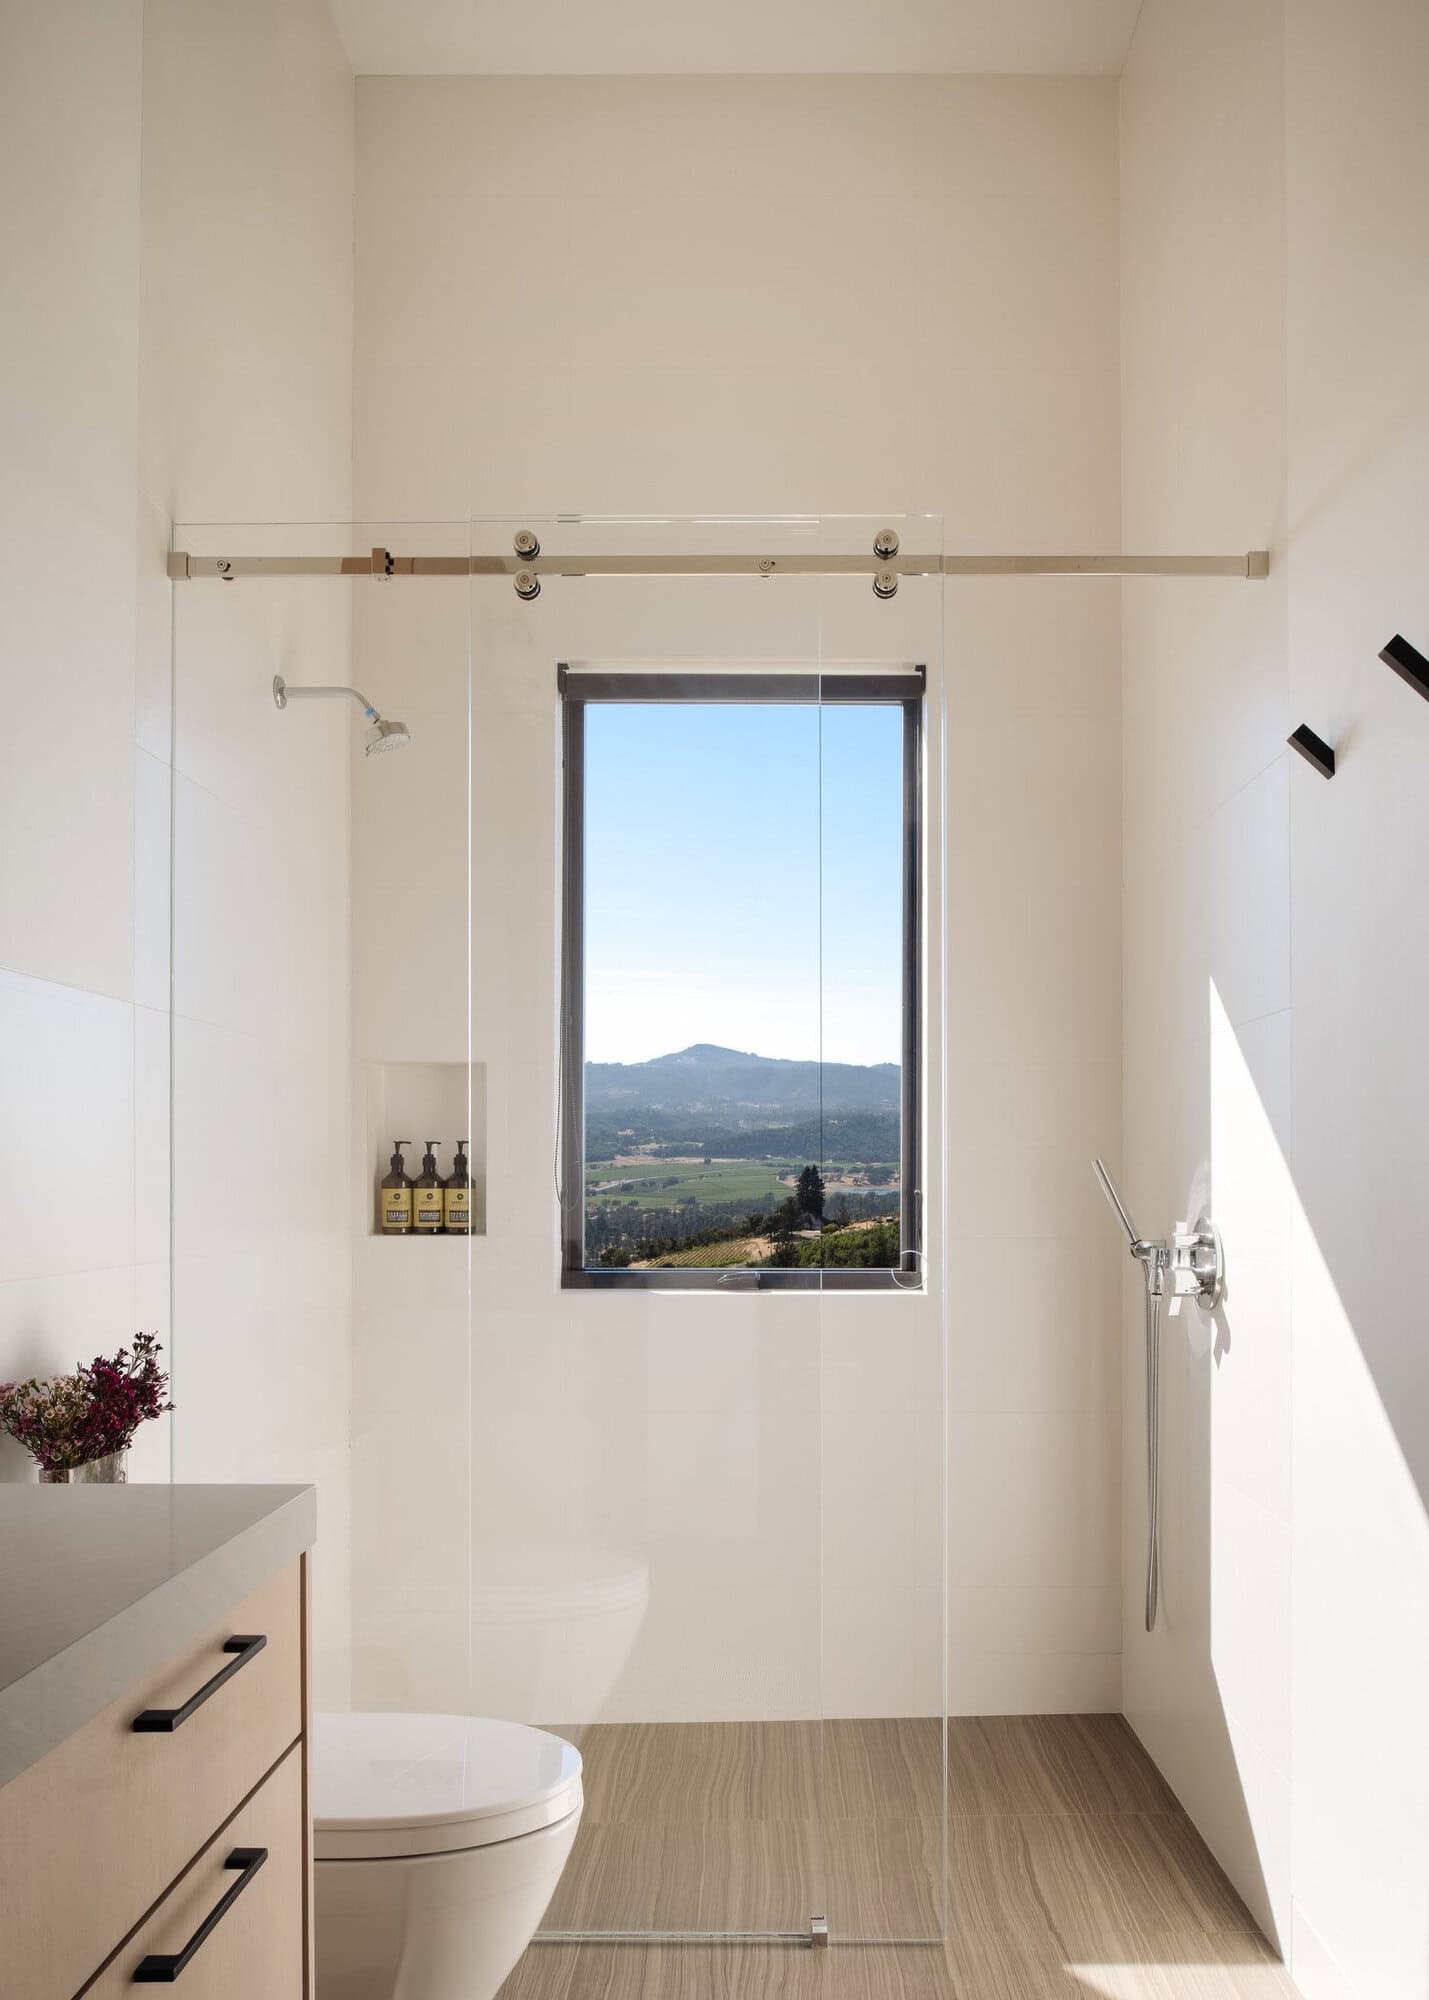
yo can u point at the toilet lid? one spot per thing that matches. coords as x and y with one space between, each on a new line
387 1785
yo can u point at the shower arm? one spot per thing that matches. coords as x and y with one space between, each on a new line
283 694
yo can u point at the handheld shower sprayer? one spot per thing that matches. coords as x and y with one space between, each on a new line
1151 1256
1190 1265
1108 1186
381 736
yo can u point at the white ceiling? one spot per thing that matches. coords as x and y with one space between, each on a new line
734 37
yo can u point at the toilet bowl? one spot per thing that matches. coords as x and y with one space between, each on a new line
438 1841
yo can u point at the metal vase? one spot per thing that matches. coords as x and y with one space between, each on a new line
110 1471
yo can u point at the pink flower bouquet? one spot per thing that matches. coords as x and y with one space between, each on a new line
72 1419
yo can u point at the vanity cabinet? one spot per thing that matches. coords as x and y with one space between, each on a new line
165 1841
256 1945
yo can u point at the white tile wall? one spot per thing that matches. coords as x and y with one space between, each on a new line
1042 1683
1038 1618
69 108
1043 1490
68 1088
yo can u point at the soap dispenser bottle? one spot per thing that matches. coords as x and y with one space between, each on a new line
427 1195
456 1196
395 1211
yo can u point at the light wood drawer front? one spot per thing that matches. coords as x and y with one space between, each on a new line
255 1950
92 1835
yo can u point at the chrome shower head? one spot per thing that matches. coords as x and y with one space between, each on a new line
381 736
385 736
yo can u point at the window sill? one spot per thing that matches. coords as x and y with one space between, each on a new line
743 1284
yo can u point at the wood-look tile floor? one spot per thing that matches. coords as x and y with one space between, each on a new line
1072 1872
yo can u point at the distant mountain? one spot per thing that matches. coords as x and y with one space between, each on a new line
738 1086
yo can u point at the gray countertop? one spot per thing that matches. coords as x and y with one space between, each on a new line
100 1584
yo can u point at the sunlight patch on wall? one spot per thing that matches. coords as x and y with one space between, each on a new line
1249 1407
1308 1483
1361 1652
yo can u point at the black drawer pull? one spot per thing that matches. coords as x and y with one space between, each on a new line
164 1721
162 1968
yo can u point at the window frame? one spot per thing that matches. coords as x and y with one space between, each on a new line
579 688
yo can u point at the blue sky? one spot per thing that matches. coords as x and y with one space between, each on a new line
706 827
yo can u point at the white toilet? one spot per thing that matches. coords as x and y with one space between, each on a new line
438 1843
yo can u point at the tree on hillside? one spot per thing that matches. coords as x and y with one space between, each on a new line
809 1193
786 1218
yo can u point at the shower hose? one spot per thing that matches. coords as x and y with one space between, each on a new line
1153 1455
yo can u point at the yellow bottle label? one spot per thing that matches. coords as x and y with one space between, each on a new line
427 1208
456 1204
396 1208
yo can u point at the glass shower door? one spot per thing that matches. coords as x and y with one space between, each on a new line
675 836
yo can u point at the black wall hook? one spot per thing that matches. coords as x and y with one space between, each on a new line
1409 663
1314 749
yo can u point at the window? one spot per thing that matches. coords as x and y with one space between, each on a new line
740 979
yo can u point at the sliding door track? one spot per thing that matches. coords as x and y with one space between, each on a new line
814 1938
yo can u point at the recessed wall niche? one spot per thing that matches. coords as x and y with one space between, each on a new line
419 1101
